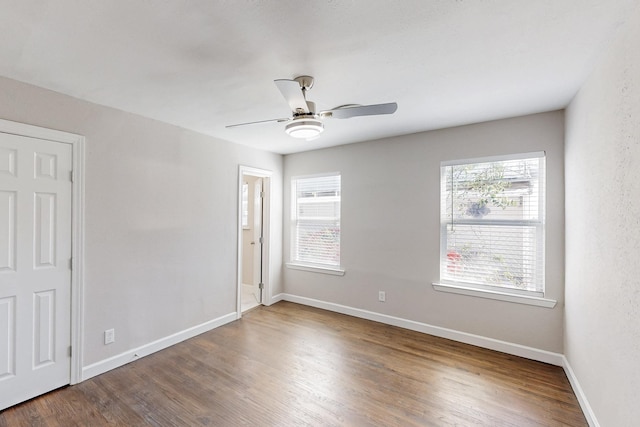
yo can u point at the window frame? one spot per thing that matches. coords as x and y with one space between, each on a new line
504 293
297 264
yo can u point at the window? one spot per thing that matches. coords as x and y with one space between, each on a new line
315 221
492 224
245 205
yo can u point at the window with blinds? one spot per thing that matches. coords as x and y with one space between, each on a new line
492 223
316 220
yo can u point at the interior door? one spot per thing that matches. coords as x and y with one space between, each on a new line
258 195
35 267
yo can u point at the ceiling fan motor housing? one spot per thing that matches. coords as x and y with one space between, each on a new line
304 127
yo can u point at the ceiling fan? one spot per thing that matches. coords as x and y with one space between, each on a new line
305 121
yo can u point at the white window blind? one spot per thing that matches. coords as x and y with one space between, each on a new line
492 223
316 220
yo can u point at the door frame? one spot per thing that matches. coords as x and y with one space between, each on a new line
77 143
266 234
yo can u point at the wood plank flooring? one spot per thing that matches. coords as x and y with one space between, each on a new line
289 365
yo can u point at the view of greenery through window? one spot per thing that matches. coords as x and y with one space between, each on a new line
492 223
317 220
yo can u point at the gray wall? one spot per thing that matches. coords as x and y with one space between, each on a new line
161 218
390 228
603 232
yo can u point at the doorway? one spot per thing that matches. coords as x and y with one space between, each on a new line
253 238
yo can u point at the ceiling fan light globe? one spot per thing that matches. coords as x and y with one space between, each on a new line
304 128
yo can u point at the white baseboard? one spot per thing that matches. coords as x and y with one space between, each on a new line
477 340
276 298
582 398
147 349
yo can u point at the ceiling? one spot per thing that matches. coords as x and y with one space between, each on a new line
204 64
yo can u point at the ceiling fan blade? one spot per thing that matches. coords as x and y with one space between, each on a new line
292 92
258 122
360 110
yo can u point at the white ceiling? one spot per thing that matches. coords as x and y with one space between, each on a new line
204 64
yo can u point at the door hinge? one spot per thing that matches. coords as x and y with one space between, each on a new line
70 351
262 194
71 175
71 263
261 240
261 285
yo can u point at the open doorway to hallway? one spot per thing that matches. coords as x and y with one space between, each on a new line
253 237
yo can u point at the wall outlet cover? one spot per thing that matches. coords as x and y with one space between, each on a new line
109 336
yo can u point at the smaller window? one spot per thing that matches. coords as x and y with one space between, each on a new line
492 223
315 220
245 205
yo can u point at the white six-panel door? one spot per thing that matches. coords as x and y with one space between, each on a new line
35 267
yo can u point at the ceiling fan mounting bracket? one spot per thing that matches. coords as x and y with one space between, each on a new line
305 82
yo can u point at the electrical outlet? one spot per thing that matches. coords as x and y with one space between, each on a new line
109 336
382 296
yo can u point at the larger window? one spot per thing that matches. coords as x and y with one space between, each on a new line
492 223
316 220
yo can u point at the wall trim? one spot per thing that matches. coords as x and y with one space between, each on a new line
496 295
580 395
276 298
464 337
134 354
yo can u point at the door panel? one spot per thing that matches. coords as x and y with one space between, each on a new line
7 230
43 328
8 161
257 238
45 230
35 272
7 337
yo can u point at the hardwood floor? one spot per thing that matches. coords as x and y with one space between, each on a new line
290 364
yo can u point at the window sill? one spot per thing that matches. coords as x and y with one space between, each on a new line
335 271
501 296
